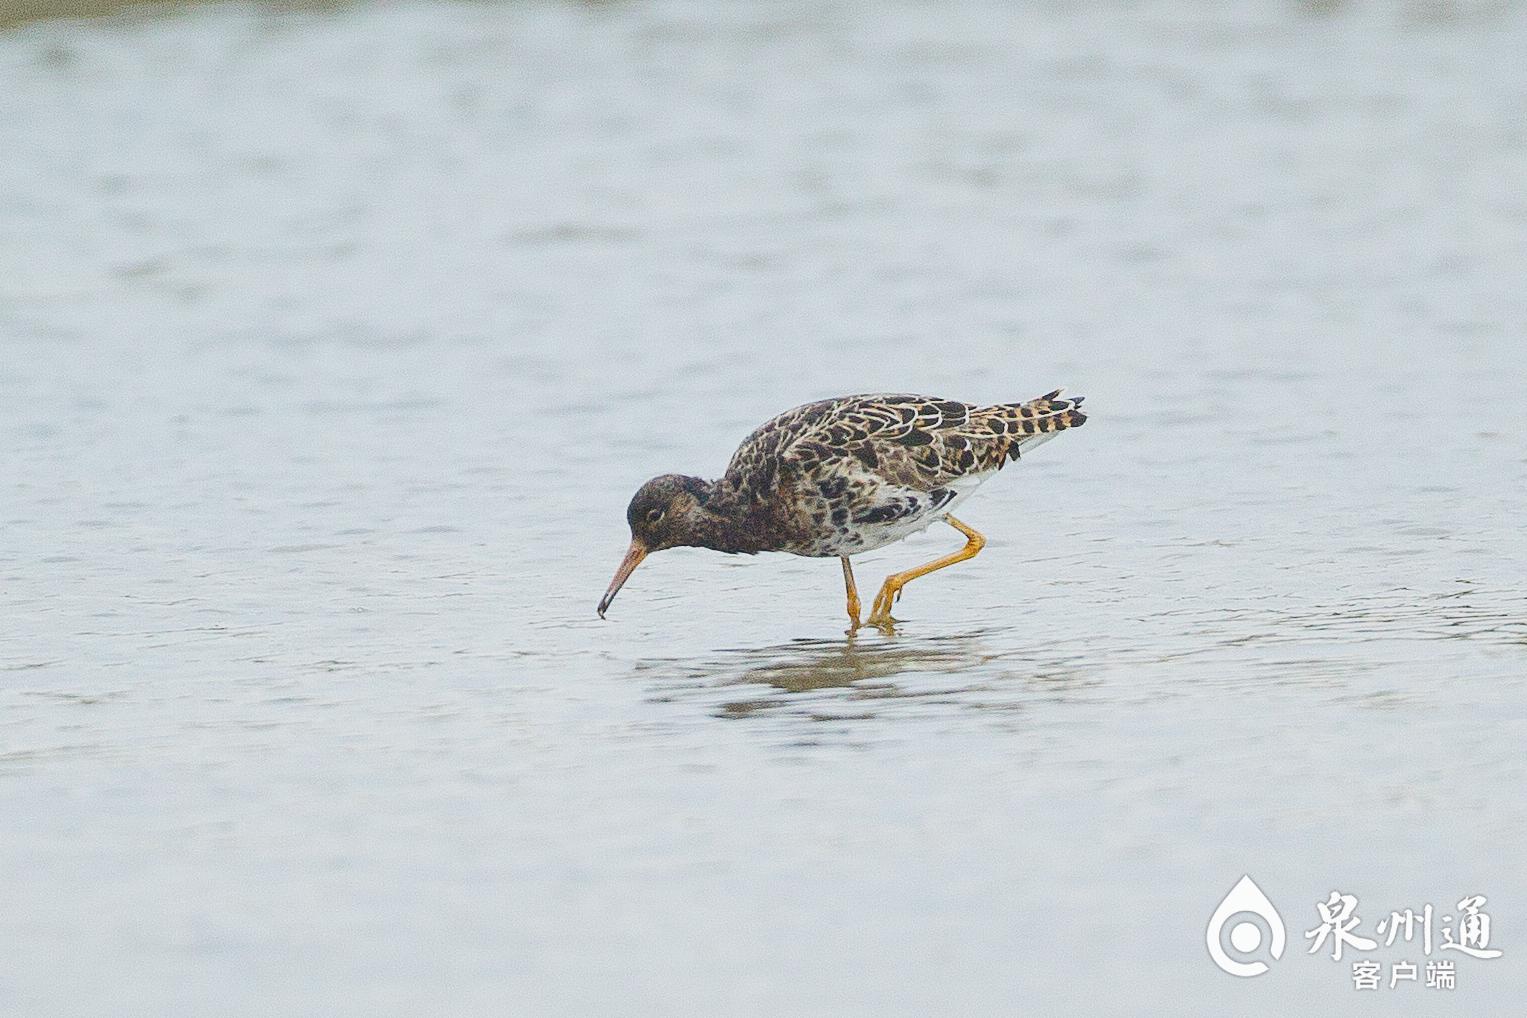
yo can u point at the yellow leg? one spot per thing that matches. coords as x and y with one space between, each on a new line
853 594
880 611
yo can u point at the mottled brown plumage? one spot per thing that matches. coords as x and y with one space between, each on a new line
842 476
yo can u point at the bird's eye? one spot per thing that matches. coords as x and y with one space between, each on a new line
653 515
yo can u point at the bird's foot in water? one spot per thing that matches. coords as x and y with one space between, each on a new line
880 611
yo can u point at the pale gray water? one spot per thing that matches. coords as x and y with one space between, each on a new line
334 344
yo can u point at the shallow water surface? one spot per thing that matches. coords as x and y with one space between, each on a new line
335 342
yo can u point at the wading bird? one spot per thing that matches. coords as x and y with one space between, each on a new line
844 476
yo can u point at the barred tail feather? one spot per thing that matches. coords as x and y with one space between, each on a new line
1035 422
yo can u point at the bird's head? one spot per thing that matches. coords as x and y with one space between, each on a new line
662 514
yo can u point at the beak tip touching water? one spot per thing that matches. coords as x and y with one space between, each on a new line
634 556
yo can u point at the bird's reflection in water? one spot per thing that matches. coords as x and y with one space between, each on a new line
856 678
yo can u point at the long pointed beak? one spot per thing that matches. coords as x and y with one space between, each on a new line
634 556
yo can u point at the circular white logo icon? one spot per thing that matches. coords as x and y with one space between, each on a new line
1245 936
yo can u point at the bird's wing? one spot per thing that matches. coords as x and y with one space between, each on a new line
912 442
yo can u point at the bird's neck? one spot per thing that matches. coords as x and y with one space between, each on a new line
724 522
